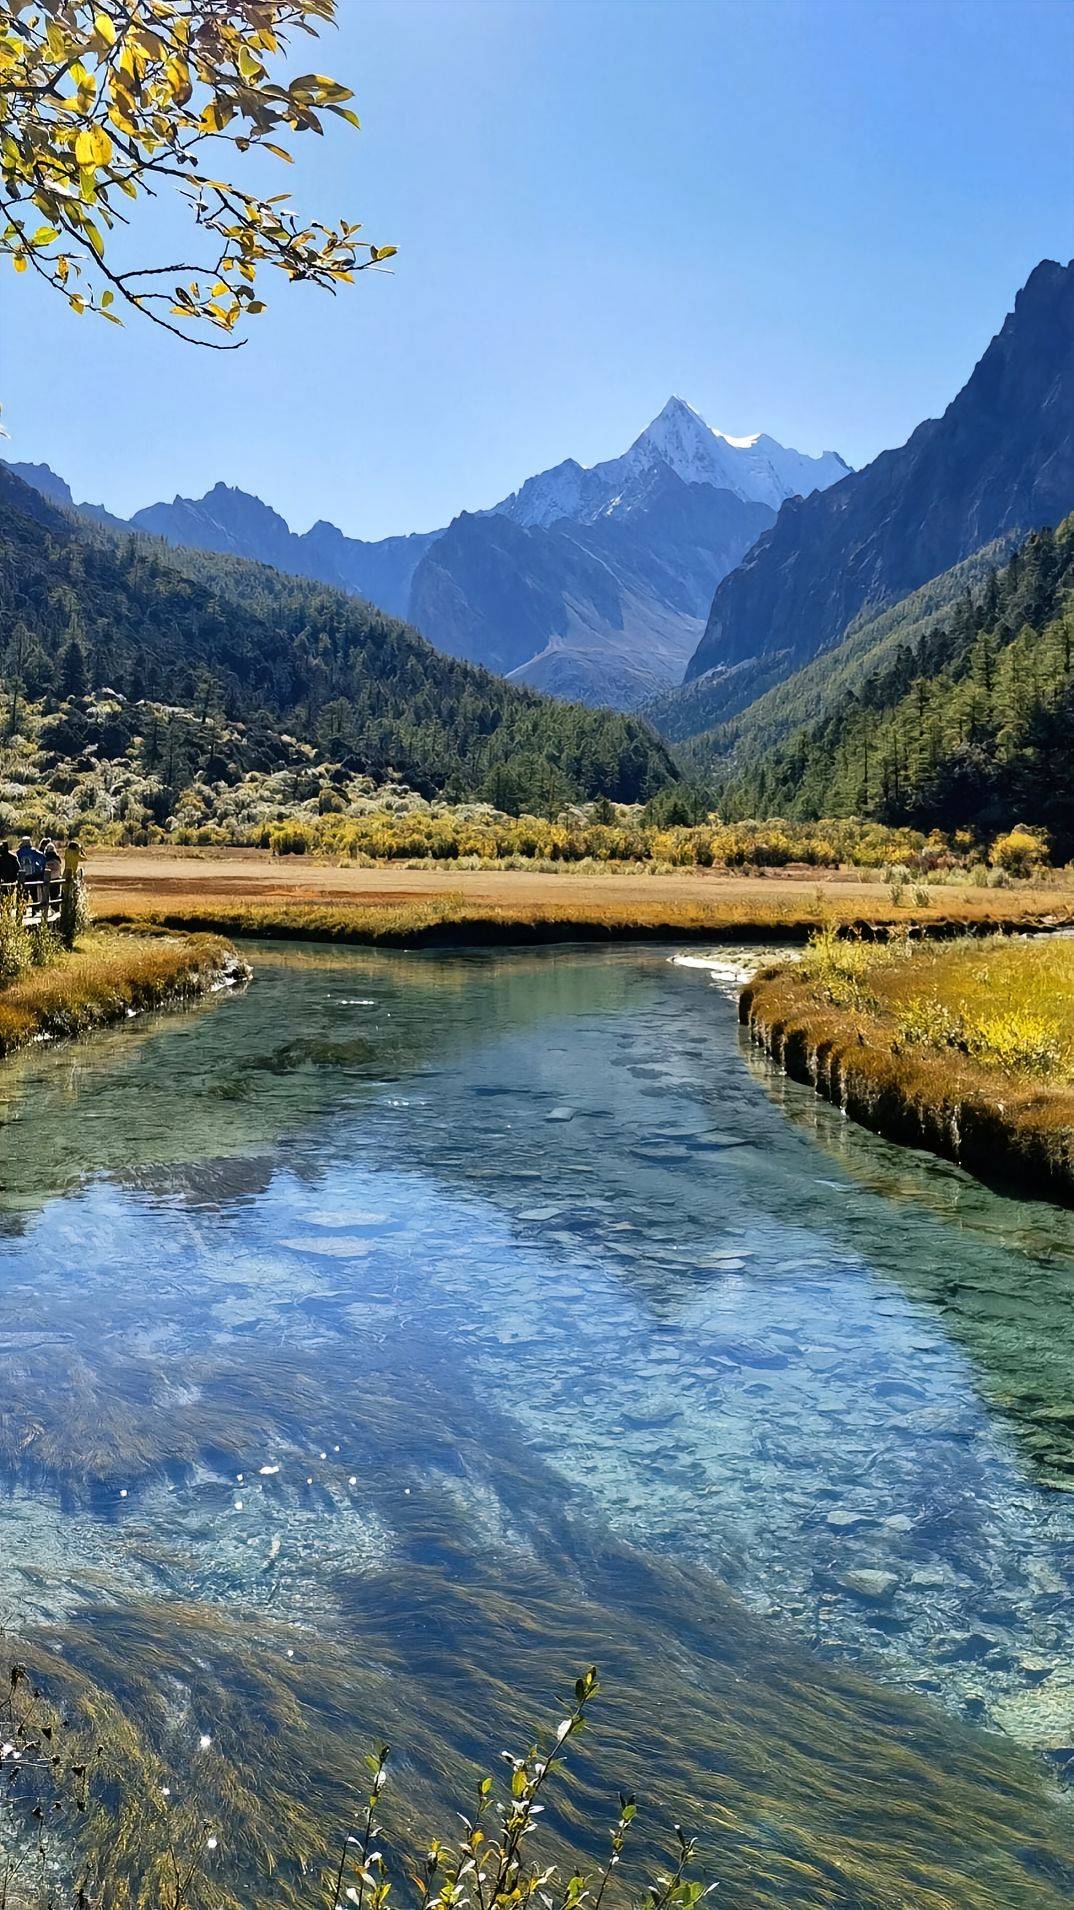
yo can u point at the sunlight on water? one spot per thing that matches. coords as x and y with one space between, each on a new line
430 1263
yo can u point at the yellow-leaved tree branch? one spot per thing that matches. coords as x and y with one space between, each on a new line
107 101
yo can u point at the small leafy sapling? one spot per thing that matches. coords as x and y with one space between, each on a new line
494 1864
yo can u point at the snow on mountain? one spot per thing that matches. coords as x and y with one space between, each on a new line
758 470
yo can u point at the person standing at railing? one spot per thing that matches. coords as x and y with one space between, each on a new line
72 903
9 866
31 861
52 890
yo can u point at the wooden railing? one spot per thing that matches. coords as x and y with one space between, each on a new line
40 895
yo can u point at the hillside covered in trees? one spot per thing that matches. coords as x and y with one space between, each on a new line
971 725
228 663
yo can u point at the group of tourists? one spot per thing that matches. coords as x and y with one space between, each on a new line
29 864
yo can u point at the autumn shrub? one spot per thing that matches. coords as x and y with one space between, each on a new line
406 829
1020 851
843 967
1018 1040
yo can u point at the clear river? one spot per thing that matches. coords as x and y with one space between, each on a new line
382 1345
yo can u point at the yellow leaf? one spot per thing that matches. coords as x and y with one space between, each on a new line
19 262
44 235
93 147
217 115
104 27
179 78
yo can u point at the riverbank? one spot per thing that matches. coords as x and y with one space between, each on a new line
244 892
966 1050
110 975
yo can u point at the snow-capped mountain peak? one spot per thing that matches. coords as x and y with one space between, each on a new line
757 469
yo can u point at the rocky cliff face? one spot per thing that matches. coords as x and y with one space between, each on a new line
1001 459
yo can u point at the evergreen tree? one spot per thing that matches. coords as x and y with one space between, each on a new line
71 673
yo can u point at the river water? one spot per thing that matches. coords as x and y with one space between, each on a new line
384 1344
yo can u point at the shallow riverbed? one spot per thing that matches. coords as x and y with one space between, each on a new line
419 1325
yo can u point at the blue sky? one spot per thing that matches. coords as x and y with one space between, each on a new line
804 216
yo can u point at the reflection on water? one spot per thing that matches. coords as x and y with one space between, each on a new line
509 1276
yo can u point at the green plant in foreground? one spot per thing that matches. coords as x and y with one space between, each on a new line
490 1864
16 940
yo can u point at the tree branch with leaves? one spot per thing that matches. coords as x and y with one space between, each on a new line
109 102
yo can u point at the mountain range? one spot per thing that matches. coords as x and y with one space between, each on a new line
591 583
779 584
997 464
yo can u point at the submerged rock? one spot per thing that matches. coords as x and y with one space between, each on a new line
843 1520
746 1353
866 1582
1042 1716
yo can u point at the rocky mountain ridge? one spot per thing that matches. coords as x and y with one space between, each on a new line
999 461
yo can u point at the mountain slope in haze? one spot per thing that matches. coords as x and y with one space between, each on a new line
999 460
967 722
238 525
607 610
44 480
283 658
869 644
602 596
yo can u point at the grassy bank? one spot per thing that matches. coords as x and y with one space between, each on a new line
109 975
967 1048
790 912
